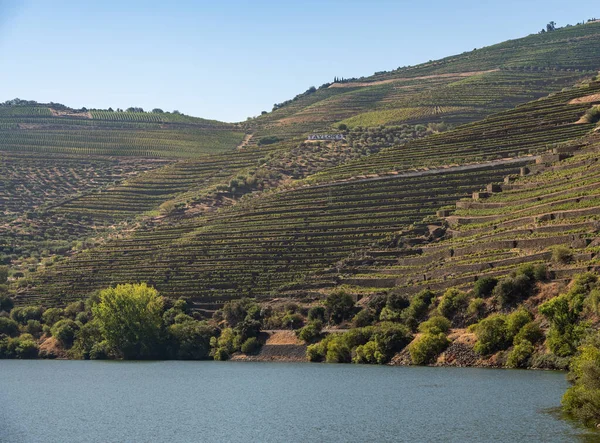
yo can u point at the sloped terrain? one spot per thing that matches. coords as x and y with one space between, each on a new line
264 242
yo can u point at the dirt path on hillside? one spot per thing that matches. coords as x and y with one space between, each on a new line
245 142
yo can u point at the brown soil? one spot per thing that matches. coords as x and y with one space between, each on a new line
283 337
593 98
51 348
57 113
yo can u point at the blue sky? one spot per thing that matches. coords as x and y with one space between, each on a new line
230 59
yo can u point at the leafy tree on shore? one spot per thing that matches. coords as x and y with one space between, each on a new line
130 318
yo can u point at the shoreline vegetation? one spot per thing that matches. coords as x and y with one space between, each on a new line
521 321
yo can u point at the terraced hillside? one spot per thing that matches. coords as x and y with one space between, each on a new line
306 206
57 129
258 245
551 215
457 89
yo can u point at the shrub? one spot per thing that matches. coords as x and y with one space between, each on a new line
397 302
65 331
391 338
561 254
376 303
550 361
369 353
24 314
8 327
511 289
316 313
52 315
317 352
100 351
520 355
340 307
6 303
427 347
435 325
250 346
592 115
191 340
491 335
530 332
484 286
416 311
23 347
451 302
88 336
338 351
310 332
476 308
516 320
292 321
582 401
33 327
564 334
363 318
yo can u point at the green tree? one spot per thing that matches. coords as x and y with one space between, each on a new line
129 317
340 306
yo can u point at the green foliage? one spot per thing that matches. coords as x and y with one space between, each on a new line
369 353
22 347
484 286
316 313
130 319
564 333
8 327
451 302
582 401
520 355
6 303
363 318
492 335
417 310
268 140
292 321
88 341
512 289
531 332
311 332
52 315
236 311
592 115
435 325
516 320
191 340
23 314
424 349
476 308
340 307
561 254
65 331
250 346
33 327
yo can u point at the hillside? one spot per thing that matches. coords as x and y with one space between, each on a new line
214 211
273 239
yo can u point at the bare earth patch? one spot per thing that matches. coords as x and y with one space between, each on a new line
593 98
57 113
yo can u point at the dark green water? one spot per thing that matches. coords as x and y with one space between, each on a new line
82 401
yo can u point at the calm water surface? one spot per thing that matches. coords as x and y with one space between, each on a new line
83 401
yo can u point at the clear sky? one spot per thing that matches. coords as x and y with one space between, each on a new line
230 59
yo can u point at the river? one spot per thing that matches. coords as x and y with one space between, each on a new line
95 401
